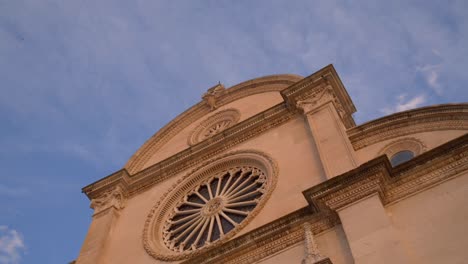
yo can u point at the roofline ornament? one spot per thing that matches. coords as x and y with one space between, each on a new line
212 95
272 83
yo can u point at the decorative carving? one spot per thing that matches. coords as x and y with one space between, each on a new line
312 254
412 144
310 103
213 94
251 87
214 125
443 162
113 198
433 118
213 209
195 155
268 239
383 129
311 90
377 176
319 98
256 169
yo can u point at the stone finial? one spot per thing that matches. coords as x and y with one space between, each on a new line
113 198
312 254
212 94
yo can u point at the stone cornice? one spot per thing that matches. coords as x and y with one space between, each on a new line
268 239
439 117
255 86
446 116
375 176
325 81
392 184
194 155
228 138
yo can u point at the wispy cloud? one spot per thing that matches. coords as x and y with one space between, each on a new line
11 245
404 104
431 75
85 83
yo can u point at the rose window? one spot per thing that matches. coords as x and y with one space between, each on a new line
213 209
209 205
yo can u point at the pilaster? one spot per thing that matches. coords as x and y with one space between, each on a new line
370 234
335 150
327 109
106 213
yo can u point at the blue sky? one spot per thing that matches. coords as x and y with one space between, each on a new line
84 83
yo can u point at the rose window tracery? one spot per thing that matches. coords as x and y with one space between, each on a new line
213 209
209 205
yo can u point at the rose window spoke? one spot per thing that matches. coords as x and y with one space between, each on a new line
213 209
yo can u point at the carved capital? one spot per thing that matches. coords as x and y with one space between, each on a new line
317 89
211 96
315 100
114 198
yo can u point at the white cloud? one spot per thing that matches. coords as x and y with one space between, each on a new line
431 75
403 104
11 245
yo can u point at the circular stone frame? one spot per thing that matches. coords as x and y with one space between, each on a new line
154 225
214 125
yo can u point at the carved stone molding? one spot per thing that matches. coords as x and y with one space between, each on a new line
411 143
114 198
323 96
220 142
433 118
260 123
213 125
426 170
319 88
298 89
194 155
244 89
153 234
269 239
392 184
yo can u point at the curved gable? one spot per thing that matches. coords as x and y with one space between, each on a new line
431 118
417 130
260 94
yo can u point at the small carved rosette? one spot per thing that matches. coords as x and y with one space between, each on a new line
213 125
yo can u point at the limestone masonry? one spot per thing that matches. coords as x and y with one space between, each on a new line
275 170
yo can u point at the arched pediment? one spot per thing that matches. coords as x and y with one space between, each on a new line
273 83
425 119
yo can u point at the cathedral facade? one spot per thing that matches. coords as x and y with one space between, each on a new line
275 170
